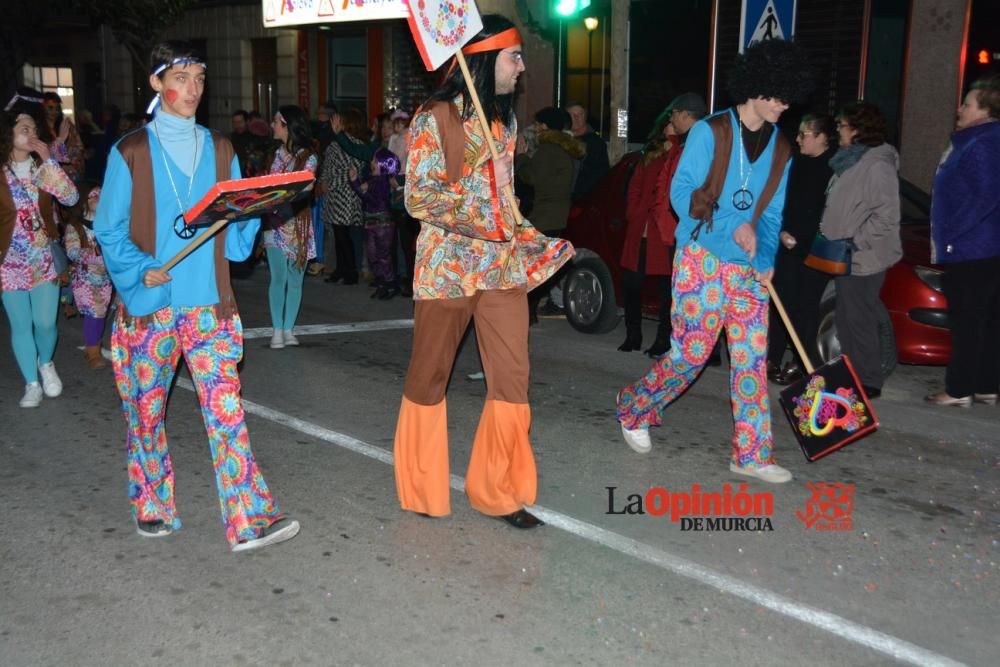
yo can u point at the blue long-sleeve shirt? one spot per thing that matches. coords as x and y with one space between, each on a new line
193 279
691 174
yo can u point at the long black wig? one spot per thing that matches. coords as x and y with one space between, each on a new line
482 66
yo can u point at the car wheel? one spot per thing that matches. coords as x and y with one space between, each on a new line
589 297
829 345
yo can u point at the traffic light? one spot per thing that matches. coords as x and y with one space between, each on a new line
568 8
984 57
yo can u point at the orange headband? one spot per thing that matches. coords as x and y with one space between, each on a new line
498 42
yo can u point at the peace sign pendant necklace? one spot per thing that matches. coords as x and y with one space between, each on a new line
743 198
181 228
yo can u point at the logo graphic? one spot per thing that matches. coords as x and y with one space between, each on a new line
829 507
818 412
701 510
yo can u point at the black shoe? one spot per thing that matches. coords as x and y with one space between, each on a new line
773 372
522 519
334 277
280 531
871 392
389 292
658 348
790 374
379 293
631 343
152 528
551 310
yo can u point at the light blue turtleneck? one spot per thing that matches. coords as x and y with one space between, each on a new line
180 139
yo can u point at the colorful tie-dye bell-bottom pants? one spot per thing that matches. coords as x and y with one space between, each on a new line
145 358
709 294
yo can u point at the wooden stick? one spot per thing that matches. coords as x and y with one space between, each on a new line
194 245
508 190
788 325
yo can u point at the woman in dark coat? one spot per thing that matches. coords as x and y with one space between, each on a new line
800 287
965 228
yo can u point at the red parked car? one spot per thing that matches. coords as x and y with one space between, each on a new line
915 333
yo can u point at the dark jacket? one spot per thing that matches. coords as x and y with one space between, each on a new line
805 197
593 166
550 172
965 208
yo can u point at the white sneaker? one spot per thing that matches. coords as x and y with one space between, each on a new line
772 473
282 530
278 339
51 384
637 439
480 375
32 395
289 337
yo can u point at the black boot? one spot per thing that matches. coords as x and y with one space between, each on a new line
661 345
659 348
633 341
389 290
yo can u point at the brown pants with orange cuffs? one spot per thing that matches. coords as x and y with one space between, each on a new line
501 477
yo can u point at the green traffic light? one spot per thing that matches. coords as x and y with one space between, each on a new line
570 7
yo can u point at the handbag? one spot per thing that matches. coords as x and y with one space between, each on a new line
830 256
60 262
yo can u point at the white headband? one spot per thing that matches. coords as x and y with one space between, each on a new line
13 101
155 102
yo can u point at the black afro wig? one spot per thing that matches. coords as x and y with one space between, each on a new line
771 68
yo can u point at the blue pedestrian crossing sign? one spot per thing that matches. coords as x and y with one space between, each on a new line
766 19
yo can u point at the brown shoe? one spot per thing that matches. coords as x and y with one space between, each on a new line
944 398
92 353
987 399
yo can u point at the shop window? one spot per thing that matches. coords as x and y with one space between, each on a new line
58 80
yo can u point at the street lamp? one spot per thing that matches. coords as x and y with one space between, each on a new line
590 23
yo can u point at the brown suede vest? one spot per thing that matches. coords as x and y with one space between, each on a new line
134 148
8 216
452 133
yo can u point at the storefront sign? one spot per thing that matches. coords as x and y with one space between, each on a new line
278 13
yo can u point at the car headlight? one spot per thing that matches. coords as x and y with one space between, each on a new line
930 277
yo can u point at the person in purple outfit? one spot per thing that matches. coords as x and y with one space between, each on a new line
380 229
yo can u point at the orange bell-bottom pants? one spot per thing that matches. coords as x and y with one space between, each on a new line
501 477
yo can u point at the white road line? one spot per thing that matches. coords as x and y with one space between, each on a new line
894 647
316 329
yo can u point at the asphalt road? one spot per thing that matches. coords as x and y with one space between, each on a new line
914 579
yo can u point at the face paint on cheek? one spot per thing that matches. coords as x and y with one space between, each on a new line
170 95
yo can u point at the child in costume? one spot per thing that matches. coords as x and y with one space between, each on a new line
29 288
290 243
380 227
88 275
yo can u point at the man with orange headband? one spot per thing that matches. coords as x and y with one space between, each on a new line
473 260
